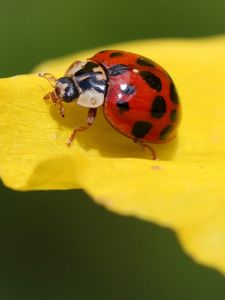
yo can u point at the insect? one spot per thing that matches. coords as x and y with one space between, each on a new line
138 97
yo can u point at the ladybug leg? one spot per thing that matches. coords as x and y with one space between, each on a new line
56 101
146 146
90 119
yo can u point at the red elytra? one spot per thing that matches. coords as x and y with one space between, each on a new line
149 108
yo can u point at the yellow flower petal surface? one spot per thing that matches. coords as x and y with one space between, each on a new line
184 190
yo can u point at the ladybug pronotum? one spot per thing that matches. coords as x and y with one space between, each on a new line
138 97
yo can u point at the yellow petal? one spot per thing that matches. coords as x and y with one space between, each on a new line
184 190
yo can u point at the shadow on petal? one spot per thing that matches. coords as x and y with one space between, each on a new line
55 173
104 139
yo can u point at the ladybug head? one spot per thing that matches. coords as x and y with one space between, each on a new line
66 90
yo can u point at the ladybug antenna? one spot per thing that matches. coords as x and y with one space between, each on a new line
52 95
51 79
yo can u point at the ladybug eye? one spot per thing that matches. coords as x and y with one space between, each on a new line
66 89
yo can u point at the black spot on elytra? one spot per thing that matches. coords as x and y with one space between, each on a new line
143 61
140 129
117 70
115 54
173 115
88 68
123 105
158 108
164 133
173 93
152 80
128 90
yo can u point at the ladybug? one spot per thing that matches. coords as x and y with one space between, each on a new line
138 97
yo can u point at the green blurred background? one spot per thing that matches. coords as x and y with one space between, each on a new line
59 244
